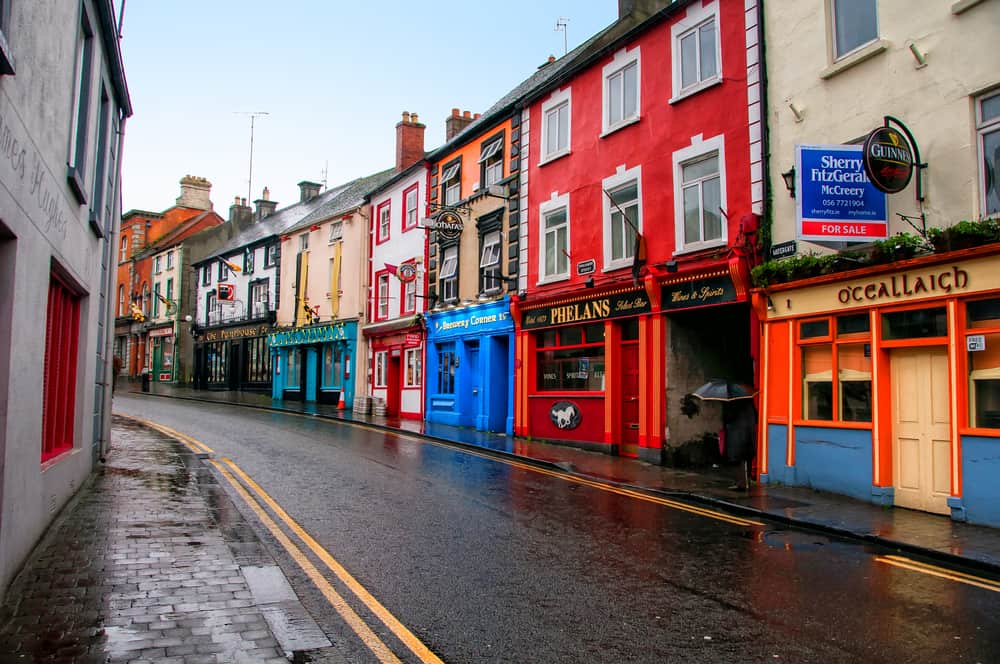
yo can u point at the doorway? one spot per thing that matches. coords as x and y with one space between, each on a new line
470 402
393 386
921 437
630 399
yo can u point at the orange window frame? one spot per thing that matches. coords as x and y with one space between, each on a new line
966 426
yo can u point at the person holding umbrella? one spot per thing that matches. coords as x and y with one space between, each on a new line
739 417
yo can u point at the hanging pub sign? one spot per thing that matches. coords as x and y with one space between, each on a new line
888 160
448 225
836 201
407 272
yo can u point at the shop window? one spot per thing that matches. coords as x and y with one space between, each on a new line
556 125
855 24
332 367
984 363
216 356
62 326
381 360
293 368
695 50
410 211
414 370
844 396
258 360
447 366
915 324
988 129
571 359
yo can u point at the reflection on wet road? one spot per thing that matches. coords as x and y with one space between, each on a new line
485 560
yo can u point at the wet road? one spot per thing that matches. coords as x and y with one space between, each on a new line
486 561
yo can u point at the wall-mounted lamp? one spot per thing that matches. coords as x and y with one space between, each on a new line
523 295
770 304
671 266
796 111
918 56
589 283
789 178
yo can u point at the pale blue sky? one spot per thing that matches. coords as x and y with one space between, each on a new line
334 77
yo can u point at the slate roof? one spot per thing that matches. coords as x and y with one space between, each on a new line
352 195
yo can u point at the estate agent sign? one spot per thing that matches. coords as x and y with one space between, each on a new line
837 202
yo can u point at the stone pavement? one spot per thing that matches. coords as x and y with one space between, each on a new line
922 534
139 567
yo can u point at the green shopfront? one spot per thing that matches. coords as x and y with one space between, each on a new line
315 363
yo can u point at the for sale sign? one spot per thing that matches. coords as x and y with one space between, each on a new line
836 201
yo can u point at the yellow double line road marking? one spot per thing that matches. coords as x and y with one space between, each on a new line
192 444
934 570
374 643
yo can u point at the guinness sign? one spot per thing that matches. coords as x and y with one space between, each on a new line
448 225
888 160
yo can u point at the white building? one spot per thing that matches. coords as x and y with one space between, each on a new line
63 105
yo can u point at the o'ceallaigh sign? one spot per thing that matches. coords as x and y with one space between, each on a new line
906 284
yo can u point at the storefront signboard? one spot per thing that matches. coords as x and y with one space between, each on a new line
699 292
565 415
836 201
308 335
448 225
615 305
236 332
484 319
784 250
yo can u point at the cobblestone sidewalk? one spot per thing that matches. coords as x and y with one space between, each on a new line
137 570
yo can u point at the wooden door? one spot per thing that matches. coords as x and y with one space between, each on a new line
630 399
921 441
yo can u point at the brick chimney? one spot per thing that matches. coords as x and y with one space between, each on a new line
265 206
409 141
240 214
456 123
195 193
308 190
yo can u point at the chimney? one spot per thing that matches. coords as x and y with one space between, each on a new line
548 62
240 214
456 123
265 206
195 193
409 141
308 190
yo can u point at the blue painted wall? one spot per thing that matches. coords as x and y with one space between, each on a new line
777 452
980 484
837 460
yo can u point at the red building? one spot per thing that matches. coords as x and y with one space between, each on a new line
641 187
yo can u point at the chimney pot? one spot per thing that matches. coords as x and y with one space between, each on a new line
476 116
454 112
406 116
466 114
413 118
267 194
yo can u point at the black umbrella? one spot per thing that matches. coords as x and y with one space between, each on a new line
718 389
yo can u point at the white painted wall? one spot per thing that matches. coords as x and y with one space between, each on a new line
240 281
839 104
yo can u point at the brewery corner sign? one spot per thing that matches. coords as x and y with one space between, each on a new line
837 201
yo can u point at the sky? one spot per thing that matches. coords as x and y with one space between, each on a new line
333 77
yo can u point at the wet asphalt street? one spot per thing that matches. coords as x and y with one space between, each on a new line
488 561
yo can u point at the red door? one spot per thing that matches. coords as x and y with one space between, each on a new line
630 399
392 385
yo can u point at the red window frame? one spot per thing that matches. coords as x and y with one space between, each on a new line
415 190
377 296
403 310
379 239
62 329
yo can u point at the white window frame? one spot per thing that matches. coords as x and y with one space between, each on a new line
551 206
553 103
698 148
836 55
410 296
384 220
170 260
697 16
489 261
622 177
410 214
418 372
304 242
259 304
336 231
381 366
382 295
124 251
984 127
158 265
492 161
623 60
452 183
448 275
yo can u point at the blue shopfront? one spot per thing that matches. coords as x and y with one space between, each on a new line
315 363
470 367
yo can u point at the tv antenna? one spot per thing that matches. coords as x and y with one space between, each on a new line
253 117
562 25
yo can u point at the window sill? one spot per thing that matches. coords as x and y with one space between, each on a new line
554 279
621 125
833 424
963 5
704 246
554 156
611 266
95 226
76 185
979 431
855 58
695 89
